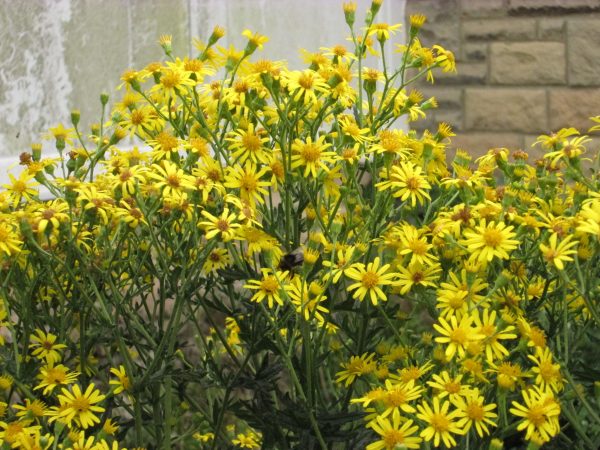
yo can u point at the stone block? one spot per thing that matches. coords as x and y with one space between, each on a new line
452 118
583 57
466 73
474 51
480 8
447 98
517 110
479 143
509 29
443 24
551 29
552 6
573 107
527 63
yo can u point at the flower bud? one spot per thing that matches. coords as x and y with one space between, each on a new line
218 33
36 151
350 13
75 116
104 98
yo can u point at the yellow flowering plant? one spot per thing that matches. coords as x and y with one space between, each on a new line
278 264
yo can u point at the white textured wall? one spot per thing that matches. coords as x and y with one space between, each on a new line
57 55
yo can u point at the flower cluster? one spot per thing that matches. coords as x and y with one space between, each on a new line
275 262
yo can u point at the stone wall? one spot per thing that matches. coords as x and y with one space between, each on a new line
525 68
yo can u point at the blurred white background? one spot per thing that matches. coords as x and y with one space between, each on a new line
58 55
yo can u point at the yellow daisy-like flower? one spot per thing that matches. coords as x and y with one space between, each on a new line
171 179
248 440
547 373
590 214
558 253
305 85
224 225
416 275
539 414
269 287
248 180
173 79
308 300
356 367
394 433
472 411
21 188
248 144
486 325
45 347
54 376
311 155
490 240
340 264
10 243
369 280
32 409
456 335
122 383
383 30
79 407
447 386
217 259
441 424
407 183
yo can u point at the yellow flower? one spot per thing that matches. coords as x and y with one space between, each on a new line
558 254
440 423
456 335
507 374
590 214
416 275
407 183
173 80
31 409
396 397
356 367
396 433
21 188
383 30
248 144
369 280
305 86
547 373
339 265
269 287
122 383
52 213
171 179
44 347
51 377
416 245
486 325
248 440
490 240
311 155
223 225
472 410
248 180
10 243
164 145
307 302
539 414
217 259
79 407
446 386
254 41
